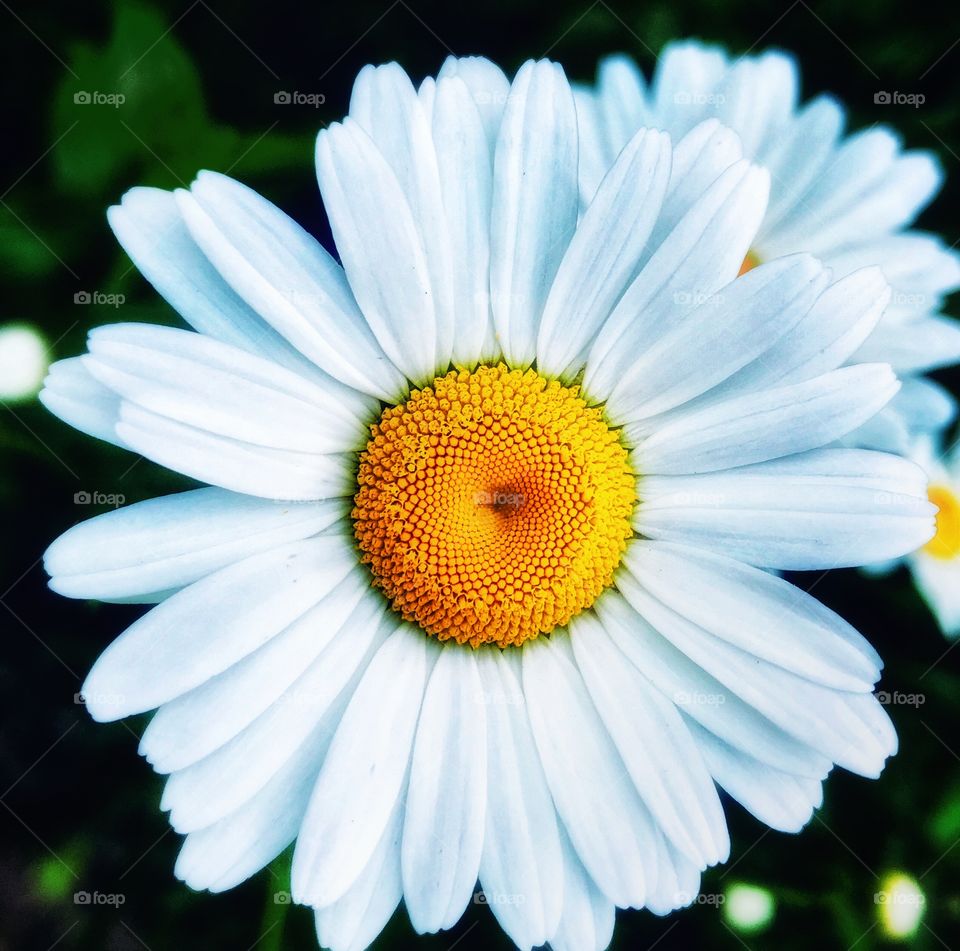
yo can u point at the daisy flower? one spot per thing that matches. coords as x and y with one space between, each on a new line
936 566
477 588
849 199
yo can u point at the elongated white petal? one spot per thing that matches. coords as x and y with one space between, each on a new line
219 784
72 394
381 247
232 463
586 923
833 722
655 746
447 795
204 629
535 201
489 89
353 922
717 337
604 255
174 540
287 278
769 424
756 611
365 771
521 867
599 805
193 726
700 255
827 508
213 386
386 106
779 799
463 155
700 695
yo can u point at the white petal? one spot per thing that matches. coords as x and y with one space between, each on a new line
604 255
214 787
488 86
717 337
595 798
287 277
622 94
365 771
586 923
769 424
466 179
915 346
354 921
757 612
73 395
447 794
230 851
824 509
211 385
387 107
655 746
521 867
830 721
187 729
149 225
381 246
535 201
232 464
701 696
174 540
204 629
938 581
781 800
702 254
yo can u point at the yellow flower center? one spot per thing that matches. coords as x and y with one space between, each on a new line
493 505
749 263
946 541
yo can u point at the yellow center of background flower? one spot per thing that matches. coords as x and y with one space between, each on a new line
493 506
946 541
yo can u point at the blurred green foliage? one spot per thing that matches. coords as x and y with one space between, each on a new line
199 81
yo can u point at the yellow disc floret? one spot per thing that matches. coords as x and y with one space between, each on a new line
493 505
946 541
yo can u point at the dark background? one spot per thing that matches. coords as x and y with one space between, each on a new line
79 809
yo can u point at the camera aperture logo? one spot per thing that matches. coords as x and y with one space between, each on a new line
296 98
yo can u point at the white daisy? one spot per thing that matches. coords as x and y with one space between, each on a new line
515 624
936 566
849 199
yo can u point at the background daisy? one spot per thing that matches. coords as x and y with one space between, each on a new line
848 197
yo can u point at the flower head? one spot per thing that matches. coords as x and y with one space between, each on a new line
477 588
